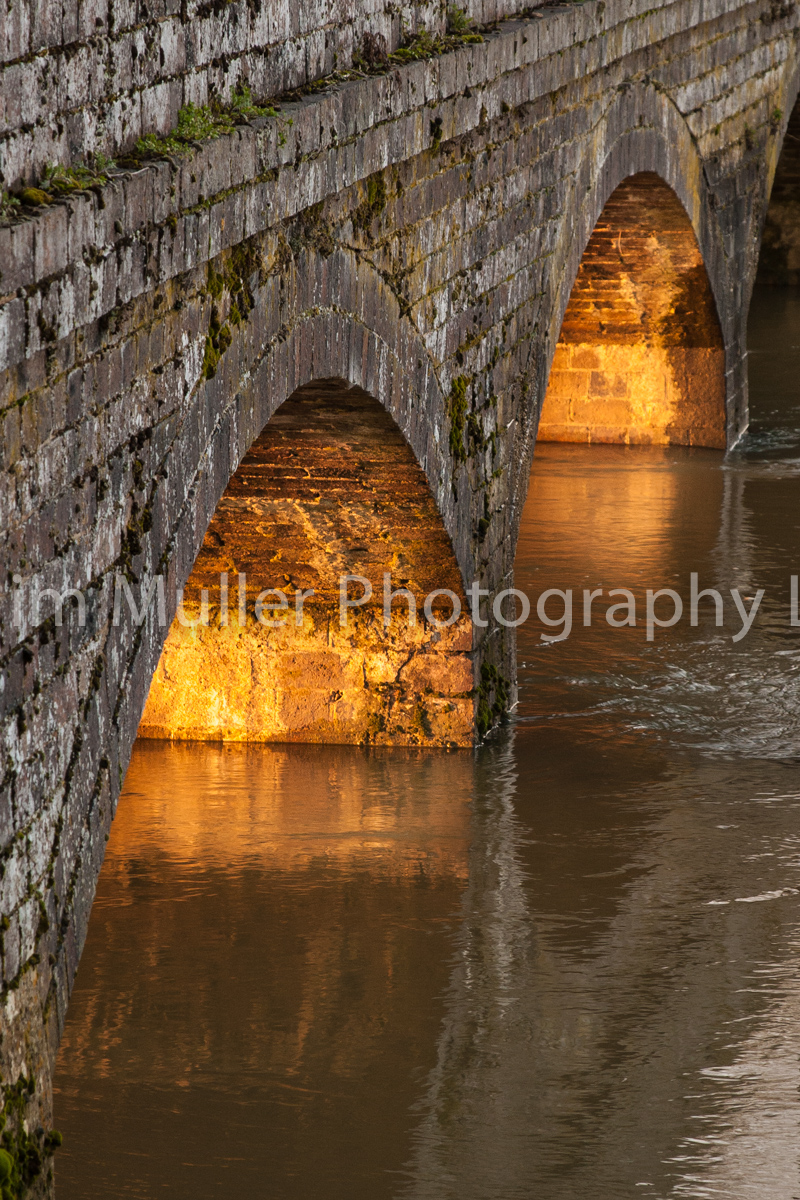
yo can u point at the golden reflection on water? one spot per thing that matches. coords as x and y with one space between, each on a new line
289 809
268 947
617 516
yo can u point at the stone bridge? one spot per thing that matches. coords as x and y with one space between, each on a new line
397 253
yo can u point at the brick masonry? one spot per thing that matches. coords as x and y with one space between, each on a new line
416 234
329 489
640 356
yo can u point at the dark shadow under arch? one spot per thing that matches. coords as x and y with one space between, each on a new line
779 257
640 357
329 489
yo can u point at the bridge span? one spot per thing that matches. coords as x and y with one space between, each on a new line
407 242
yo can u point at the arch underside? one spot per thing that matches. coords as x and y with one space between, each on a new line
779 257
329 489
640 358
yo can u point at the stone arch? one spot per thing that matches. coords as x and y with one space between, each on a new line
639 129
642 130
345 324
640 355
777 240
321 318
327 515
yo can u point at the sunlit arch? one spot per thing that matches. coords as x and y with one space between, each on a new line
329 489
640 358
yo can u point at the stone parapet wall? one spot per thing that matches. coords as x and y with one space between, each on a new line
80 78
97 252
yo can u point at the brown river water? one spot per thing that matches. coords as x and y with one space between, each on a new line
564 966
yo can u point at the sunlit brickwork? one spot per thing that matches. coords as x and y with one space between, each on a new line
329 489
640 358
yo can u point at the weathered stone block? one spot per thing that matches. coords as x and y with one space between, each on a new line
12 332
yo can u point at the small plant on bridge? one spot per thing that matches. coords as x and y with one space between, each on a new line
373 58
461 26
201 123
56 181
424 45
9 207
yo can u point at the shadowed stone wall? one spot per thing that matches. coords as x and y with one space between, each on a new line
779 263
414 233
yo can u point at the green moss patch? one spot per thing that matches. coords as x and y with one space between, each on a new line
457 411
201 123
23 1155
493 695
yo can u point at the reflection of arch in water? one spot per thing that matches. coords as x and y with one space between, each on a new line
640 358
329 489
315 885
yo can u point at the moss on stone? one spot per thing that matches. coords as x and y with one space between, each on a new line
202 122
23 1154
420 721
232 278
373 204
457 412
311 228
425 45
493 695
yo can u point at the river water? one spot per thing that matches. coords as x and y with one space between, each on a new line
566 966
